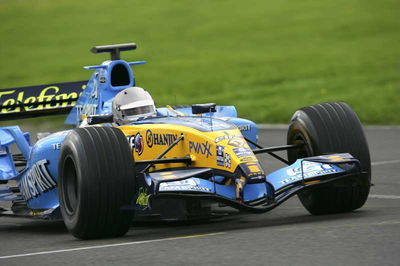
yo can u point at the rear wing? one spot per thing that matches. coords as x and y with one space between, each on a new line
76 98
32 101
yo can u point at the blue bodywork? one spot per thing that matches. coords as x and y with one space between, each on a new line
37 181
101 89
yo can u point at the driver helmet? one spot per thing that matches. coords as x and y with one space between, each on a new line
131 104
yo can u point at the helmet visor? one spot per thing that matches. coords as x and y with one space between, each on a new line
141 110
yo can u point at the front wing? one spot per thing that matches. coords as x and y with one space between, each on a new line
260 197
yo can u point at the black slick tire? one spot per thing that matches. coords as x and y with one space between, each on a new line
96 178
331 128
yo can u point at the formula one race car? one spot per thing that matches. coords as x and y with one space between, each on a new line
174 163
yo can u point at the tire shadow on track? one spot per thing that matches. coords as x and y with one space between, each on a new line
161 229
143 230
34 227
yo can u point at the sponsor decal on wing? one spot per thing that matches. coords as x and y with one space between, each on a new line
310 169
183 185
40 97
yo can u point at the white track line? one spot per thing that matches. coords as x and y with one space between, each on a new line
385 162
285 127
374 196
108 246
384 196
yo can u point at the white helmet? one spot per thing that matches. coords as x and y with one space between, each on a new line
132 103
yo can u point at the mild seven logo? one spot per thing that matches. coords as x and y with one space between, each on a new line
200 148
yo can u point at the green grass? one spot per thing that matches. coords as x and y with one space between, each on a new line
268 58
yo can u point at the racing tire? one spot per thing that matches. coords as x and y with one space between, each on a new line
324 129
96 178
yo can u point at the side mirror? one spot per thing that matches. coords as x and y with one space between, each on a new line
203 108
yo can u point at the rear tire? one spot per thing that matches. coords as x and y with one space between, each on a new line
331 128
96 178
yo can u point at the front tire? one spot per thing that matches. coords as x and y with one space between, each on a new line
331 128
96 178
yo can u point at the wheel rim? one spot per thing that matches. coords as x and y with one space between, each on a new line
70 186
303 152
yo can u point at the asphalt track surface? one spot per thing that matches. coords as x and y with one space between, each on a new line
287 235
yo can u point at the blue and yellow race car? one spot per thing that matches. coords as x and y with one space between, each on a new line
172 162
